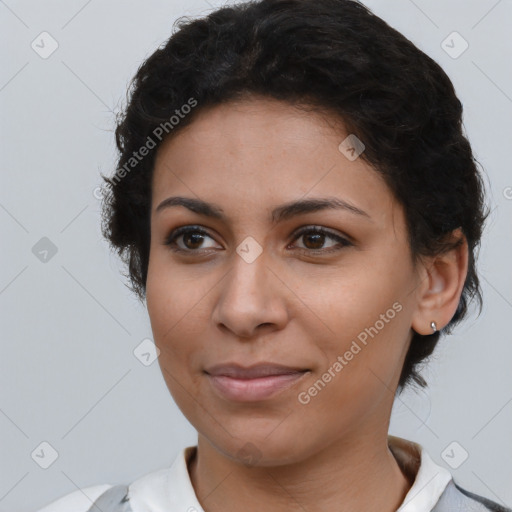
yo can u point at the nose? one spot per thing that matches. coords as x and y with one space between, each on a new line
252 299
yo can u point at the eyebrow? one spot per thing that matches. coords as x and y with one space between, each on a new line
279 214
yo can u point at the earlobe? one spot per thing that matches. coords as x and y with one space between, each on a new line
441 288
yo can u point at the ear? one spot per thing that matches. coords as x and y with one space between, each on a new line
441 282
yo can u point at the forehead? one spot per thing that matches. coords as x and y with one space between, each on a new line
261 152
262 124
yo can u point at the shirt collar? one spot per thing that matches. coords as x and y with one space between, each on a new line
171 488
429 480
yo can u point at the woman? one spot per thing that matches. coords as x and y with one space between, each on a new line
299 208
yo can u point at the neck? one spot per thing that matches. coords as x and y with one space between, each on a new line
347 475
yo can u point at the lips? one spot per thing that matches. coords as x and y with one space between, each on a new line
237 371
255 383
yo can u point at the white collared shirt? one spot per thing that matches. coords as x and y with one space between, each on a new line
171 489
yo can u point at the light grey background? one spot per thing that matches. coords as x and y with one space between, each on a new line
68 375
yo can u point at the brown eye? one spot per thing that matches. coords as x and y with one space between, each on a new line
315 238
192 239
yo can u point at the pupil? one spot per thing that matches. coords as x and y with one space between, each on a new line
318 237
189 236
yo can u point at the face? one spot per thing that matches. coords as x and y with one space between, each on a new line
325 289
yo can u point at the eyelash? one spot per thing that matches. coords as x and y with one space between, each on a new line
171 239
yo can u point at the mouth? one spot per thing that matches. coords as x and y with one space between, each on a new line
250 384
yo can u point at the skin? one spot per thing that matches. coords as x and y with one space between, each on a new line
291 305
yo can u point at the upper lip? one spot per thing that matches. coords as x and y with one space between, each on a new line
238 371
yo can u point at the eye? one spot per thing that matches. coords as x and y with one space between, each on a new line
315 237
191 237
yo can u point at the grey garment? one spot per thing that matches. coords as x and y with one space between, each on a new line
453 499
457 499
114 499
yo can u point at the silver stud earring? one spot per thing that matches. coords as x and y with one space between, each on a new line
433 325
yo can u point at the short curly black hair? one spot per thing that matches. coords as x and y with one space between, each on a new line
340 58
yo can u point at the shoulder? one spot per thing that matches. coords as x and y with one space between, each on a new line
163 490
455 498
77 501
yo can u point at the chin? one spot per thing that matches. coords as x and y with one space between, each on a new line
256 449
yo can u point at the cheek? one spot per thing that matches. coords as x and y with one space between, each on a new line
178 311
165 308
368 316
169 295
350 302
359 370
174 335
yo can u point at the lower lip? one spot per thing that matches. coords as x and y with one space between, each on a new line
252 390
